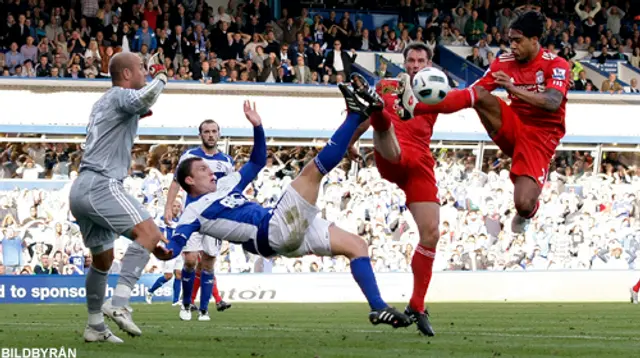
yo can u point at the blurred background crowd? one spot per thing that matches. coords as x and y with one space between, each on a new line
588 219
589 215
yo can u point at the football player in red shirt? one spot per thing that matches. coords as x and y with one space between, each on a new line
403 157
530 128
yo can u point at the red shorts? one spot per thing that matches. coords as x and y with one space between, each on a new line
413 174
530 148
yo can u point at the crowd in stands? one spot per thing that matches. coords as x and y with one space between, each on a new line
587 220
244 42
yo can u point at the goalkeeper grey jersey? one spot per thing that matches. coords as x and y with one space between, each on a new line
112 128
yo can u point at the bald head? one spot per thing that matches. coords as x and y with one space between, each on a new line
126 70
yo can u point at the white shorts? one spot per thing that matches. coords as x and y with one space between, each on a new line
200 242
295 229
173 265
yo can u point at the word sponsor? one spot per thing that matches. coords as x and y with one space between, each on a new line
61 352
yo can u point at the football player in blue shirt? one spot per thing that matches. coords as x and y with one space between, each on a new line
292 228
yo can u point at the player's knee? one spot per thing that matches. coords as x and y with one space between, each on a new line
190 260
147 234
360 247
178 275
206 263
482 97
525 205
429 235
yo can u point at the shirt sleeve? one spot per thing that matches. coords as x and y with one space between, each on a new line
181 235
558 76
256 162
140 101
487 81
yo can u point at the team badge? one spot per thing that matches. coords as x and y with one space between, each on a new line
539 77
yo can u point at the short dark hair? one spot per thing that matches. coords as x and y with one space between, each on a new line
184 170
207 121
417 46
530 23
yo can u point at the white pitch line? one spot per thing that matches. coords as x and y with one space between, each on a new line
286 329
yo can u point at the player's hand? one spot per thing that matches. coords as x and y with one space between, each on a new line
251 114
503 80
353 154
168 215
162 253
158 70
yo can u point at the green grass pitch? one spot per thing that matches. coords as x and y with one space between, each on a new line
341 330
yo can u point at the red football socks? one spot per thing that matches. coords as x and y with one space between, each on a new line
455 101
196 287
422 267
636 288
380 121
215 292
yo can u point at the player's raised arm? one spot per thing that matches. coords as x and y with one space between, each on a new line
258 158
128 67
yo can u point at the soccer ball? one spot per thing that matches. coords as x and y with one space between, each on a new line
430 85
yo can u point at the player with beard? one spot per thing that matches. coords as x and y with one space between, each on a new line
201 250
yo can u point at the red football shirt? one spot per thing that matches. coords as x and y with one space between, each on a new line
546 71
414 133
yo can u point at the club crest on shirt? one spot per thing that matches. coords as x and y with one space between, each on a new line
540 77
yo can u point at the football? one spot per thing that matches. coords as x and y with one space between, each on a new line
430 85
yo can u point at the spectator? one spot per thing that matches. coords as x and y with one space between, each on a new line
634 86
302 73
475 57
340 61
586 11
29 51
614 15
13 58
583 81
611 85
19 32
144 36
45 267
12 246
474 28
382 72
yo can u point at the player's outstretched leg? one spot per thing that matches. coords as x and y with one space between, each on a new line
96 286
156 285
354 248
634 293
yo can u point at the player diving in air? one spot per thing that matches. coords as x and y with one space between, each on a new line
293 228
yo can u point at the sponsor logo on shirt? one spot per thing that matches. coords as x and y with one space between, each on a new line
559 74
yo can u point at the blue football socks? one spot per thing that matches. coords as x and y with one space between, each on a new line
363 274
206 287
187 286
159 282
334 150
